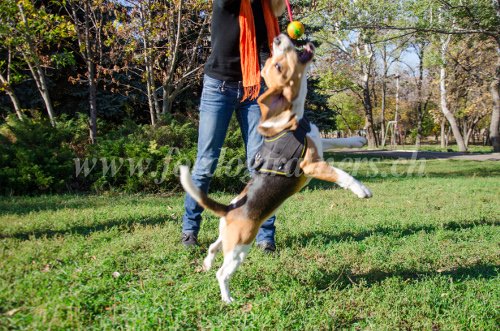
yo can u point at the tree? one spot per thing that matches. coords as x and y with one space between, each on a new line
471 65
168 47
482 18
350 30
457 17
186 25
6 80
29 31
88 18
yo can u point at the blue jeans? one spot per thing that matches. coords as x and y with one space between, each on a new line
219 100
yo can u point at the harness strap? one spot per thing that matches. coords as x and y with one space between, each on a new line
282 153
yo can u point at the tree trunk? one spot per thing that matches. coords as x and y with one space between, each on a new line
12 95
37 71
384 96
168 98
420 102
44 91
148 66
167 102
367 102
89 55
41 84
155 95
370 132
382 115
495 115
150 94
444 103
443 132
93 103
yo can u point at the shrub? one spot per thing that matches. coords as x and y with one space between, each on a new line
35 157
145 159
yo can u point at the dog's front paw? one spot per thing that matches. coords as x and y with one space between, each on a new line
360 190
356 142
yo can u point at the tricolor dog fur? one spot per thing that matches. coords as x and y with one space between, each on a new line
282 107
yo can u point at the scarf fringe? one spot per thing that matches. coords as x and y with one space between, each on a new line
251 92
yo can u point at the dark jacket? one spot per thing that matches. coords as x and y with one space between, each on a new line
224 61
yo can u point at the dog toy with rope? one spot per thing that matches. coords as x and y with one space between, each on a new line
295 29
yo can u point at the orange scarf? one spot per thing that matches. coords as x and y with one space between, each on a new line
248 46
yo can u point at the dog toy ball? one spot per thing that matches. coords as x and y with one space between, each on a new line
295 29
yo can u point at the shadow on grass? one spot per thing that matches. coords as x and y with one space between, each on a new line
327 280
325 238
340 280
124 225
22 206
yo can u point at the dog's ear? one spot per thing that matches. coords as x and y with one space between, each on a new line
276 115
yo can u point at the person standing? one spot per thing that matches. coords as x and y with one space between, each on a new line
242 32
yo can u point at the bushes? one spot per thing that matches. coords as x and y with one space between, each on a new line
142 159
36 158
147 158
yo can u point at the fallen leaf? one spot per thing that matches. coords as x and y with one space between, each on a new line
247 307
12 312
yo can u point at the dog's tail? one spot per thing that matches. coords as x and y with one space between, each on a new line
199 196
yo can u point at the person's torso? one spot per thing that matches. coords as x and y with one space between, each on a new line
224 61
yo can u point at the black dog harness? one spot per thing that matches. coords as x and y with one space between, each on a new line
282 153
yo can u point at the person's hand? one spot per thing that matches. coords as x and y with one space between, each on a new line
278 7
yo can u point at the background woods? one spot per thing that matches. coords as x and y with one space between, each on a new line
121 80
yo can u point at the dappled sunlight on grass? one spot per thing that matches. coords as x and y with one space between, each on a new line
422 253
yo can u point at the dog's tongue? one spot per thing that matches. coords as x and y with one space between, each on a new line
307 53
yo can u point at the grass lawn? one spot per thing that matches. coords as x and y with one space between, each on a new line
437 148
422 254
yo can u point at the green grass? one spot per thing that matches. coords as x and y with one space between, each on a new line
422 254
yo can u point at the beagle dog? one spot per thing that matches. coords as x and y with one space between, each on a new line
282 107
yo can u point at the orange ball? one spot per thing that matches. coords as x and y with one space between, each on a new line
295 29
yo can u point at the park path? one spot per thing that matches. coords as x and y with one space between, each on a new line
419 155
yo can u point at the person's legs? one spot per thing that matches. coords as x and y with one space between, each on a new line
216 107
248 115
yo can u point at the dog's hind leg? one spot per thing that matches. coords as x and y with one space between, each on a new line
212 250
352 142
314 166
232 260
215 246
322 170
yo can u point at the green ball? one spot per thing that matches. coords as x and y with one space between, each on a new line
295 29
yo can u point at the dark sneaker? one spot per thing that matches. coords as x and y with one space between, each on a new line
267 247
189 240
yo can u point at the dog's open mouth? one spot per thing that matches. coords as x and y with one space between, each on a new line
307 53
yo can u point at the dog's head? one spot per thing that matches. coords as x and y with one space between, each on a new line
284 74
